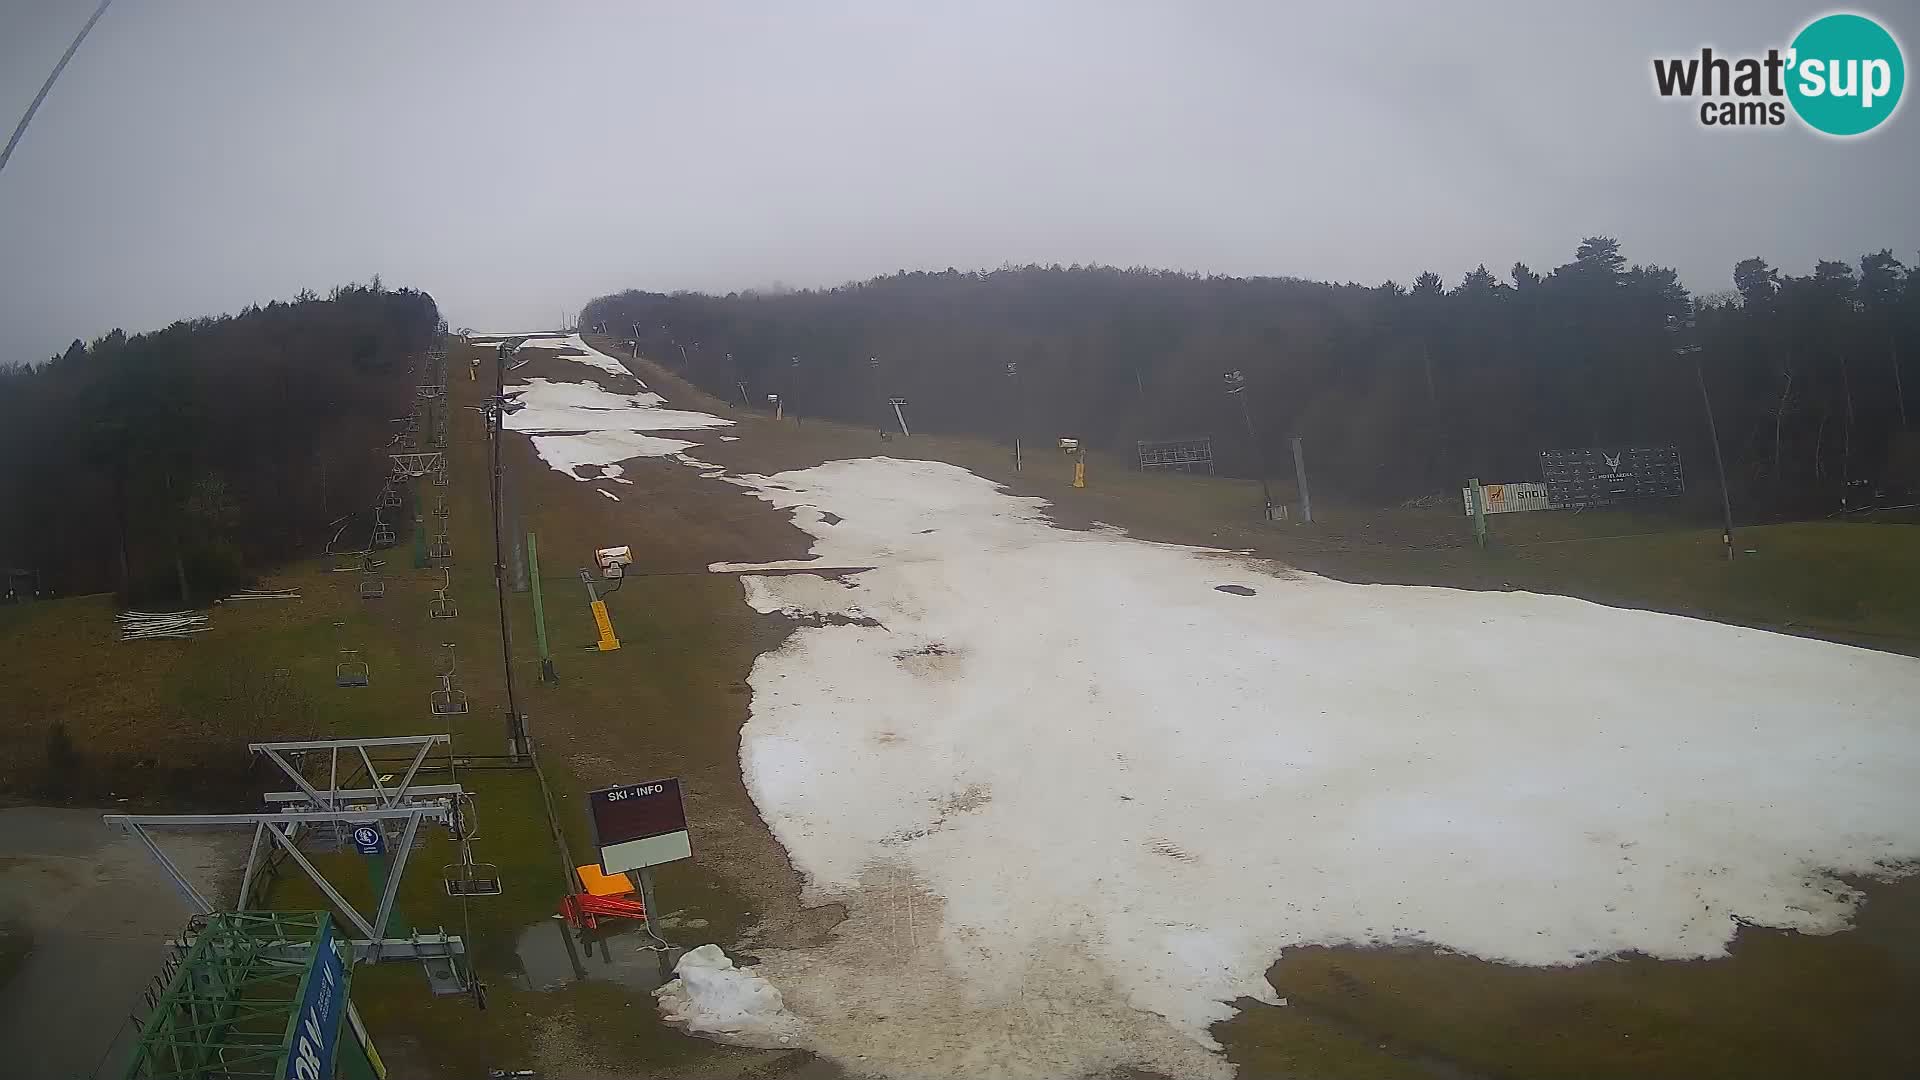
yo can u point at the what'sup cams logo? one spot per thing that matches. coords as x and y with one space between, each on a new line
1842 75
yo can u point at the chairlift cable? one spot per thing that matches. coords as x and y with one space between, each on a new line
21 128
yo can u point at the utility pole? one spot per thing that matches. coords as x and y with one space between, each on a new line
496 434
1687 345
1237 388
786 399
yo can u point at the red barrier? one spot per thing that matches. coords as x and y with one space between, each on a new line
585 909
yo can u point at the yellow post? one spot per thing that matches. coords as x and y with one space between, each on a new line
1080 469
608 642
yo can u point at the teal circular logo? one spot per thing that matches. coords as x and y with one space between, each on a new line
1846 74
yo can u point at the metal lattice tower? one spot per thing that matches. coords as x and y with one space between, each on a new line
225 1007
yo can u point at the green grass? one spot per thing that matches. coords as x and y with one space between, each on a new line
1782 1004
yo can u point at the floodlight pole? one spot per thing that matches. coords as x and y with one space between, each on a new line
1683 331
1013 373
1236 388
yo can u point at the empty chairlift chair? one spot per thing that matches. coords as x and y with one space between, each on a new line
447 701
441 548
442 605
467 877
390 498
351 670
372 586
382 532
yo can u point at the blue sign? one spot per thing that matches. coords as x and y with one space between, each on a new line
316 1027
368 840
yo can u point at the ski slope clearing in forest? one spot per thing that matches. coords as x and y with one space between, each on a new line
1077 798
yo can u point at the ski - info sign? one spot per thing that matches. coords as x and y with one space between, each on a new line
639 825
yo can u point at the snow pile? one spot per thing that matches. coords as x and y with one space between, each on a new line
711 995
1076 799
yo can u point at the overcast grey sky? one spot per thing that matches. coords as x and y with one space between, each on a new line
516 159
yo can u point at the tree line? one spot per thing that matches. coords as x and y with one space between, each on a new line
170 466
1398 391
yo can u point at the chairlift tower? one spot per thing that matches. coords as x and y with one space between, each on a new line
345 794
232 995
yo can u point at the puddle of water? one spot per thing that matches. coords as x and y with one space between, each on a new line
618 955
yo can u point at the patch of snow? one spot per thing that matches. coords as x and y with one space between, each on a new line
548 406
806 594
608 494
729 438
557 406
578 424
592 357
710 995
1064 770
569 453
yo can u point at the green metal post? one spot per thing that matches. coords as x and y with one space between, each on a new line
547 673
419 532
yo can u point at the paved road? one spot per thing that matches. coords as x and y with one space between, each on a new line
94 913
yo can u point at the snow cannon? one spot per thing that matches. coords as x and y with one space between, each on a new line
614 561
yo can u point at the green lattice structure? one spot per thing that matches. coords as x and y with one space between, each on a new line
229 1006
